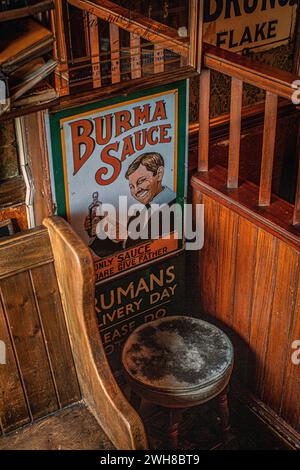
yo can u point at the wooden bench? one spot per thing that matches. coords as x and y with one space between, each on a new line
56 389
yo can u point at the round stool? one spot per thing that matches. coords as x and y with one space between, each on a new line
178 362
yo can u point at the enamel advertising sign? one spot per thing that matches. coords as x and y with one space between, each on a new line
125 303
249 24
120 152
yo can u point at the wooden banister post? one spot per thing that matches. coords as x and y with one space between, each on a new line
135 56
235 132
95 49
114 38
268 150
159 65
60 50
204 100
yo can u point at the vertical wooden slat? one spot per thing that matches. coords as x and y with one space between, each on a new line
263 293
290 403
86 18
244 279
95 49
13 405
200 36
278 352
55 331
159 65
60 50
203 141
235 132
227 233
208 257
28 340
269 136
193 31
135 56
114 38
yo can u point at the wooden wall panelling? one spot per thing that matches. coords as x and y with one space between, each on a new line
278 351
263 317
19 303
13 405
242 305
26 250
263 293
227 241
290 403
207 260
56 337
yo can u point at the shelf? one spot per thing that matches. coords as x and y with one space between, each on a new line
26 11
98 94
12 192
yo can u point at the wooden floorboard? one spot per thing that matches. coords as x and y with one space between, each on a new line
73 428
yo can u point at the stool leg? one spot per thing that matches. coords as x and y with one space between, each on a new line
224 415
175 418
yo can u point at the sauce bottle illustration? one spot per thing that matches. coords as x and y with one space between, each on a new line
94 214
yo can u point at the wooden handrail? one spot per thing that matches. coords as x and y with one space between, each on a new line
276 84
263 76
18 13
133 22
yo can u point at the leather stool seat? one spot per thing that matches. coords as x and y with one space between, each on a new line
178 361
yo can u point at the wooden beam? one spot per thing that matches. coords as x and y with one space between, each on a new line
235 132
133 22
204 100
268 150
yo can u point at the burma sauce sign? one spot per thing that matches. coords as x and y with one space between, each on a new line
134 147
249 24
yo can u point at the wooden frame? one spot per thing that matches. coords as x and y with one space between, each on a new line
75 275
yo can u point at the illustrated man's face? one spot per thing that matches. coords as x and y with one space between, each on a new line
144 186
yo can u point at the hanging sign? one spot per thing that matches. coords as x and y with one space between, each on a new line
110 156
249 24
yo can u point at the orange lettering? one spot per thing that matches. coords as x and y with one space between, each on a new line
81 138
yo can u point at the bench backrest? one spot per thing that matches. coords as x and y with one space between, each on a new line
53 347
39 376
